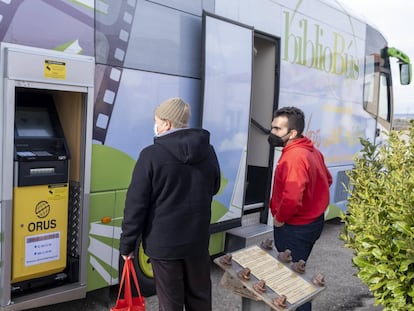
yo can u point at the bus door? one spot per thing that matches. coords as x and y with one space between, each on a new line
264 101
238 101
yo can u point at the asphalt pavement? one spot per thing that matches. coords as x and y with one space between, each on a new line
343 292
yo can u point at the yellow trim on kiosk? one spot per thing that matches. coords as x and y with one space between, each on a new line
40 224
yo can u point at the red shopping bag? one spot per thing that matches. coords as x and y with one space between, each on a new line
129 303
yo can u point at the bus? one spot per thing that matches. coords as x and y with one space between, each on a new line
81 80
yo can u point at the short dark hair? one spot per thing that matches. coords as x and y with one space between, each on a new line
295 116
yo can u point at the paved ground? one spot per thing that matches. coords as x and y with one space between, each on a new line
344 291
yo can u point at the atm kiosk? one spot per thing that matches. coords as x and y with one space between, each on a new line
46 109
40 206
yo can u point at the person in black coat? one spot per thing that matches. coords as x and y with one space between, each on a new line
168 203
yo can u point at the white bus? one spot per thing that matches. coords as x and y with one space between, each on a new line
105 66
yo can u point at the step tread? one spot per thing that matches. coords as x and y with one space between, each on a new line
251 230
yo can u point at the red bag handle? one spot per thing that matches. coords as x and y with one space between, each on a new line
122 283
126 281
134 276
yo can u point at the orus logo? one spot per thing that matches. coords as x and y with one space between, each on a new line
42 210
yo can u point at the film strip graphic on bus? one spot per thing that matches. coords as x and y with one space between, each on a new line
118 44
29 23
112 30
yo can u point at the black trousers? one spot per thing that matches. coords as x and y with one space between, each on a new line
183 282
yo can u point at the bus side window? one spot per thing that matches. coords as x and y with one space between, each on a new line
383 99
370 85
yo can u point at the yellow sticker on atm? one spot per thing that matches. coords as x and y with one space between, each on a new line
54 69
57 192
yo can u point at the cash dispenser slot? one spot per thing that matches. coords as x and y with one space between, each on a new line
42 172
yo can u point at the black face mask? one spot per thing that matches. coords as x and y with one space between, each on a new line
276 141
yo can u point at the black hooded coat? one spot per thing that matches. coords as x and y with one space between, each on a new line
168 201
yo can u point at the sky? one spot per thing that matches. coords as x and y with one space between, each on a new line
395 20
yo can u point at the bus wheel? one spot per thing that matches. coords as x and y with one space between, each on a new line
143 268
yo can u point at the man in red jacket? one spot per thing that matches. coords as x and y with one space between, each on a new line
301 183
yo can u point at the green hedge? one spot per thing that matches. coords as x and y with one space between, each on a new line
379 225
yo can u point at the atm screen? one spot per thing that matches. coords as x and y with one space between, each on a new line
33 122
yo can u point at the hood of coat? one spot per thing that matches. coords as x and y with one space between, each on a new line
188 145
303 142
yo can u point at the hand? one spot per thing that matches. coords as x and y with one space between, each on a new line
129 256
276 223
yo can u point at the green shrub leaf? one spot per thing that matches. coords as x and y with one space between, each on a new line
379 225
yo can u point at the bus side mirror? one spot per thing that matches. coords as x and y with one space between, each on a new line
405 73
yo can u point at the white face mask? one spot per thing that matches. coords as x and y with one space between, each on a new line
155 129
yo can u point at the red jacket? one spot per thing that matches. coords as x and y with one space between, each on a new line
301 184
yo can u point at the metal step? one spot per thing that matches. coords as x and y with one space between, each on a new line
245 236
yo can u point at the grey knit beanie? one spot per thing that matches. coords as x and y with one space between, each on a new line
175 110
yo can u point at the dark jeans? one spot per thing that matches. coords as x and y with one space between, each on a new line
300 240
183 282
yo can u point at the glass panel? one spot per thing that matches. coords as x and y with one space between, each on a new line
369 85
383 109
227 91
33 122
